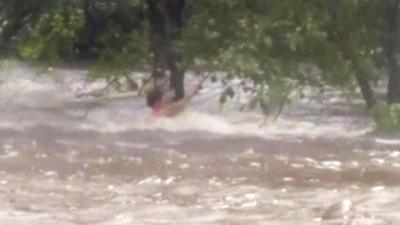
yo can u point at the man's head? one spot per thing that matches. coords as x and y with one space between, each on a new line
153 97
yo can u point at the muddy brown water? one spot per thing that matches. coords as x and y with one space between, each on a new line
57 167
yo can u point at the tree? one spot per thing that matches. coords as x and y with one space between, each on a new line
14 16
166 23
353 28
390 43
100 16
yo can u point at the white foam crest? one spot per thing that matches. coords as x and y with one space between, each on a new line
191 120
12 125
187 121
25 85
387 141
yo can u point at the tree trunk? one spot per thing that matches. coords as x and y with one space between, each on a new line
177 75
93 25
343 41
166 22
393 94
390 48
158 42
175 9
366 90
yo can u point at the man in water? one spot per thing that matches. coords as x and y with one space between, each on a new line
162 106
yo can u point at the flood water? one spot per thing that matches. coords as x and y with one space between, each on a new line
80 161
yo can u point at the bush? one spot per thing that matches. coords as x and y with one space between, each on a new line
387 118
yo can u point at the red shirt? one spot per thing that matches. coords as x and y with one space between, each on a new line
159 109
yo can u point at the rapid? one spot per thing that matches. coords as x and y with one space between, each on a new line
106 161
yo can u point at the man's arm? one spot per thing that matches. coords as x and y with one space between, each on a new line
177 107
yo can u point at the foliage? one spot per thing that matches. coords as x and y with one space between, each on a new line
279 45
132 56
260 39
52 37
387 117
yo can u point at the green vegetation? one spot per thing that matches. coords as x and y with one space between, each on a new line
387 117
279 45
